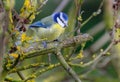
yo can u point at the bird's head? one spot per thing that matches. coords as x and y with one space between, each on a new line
60 18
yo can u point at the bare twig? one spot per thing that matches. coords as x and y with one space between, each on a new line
94 14
21 75
78 4
96 60
38 9
67 67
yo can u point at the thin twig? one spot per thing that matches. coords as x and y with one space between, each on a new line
12 80
38 9
93 15
28 67
39 72
67 67
101 54
78 10
21 75
96 60
80 25
99 57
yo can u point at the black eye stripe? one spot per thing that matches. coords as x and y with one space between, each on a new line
61 20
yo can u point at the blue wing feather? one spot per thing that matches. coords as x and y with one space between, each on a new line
39 25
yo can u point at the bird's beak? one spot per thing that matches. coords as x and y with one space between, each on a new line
66 25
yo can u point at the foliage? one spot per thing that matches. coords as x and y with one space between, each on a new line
85 58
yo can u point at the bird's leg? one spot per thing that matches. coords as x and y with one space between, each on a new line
56 40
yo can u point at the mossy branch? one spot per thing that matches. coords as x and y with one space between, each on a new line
28 67
39 72
70 42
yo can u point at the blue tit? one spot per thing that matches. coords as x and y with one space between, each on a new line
51 27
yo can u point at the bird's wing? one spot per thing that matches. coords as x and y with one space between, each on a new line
39 24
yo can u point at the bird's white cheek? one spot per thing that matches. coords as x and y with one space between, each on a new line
60 22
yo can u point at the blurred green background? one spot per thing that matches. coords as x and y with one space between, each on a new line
105 71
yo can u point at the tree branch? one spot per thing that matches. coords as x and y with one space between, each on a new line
66 66
70 42
39 72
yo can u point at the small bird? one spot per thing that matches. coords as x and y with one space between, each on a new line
51 27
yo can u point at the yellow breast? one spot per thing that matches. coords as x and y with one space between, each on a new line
51 33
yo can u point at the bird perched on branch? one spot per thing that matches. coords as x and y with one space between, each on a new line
51 27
